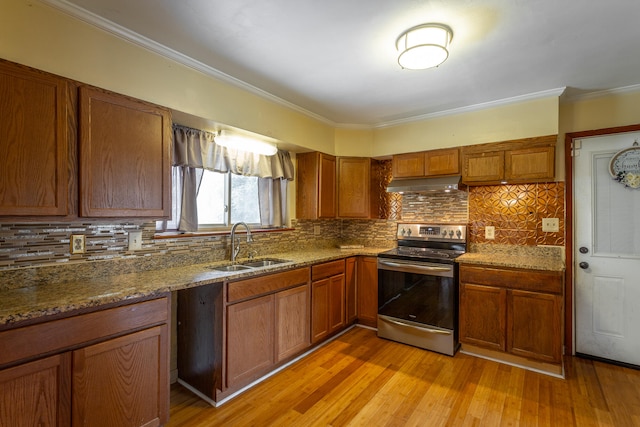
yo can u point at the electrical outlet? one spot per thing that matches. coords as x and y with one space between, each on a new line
135 240
316 230
77 243
489 232
550 225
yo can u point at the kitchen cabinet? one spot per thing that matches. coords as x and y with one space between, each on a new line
37 143
267 322
351 294
367 272
327 299
125 170
426 163
523 160
315 186
72 150
515 311
106 367
357 196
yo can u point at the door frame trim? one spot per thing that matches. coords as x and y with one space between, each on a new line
568 162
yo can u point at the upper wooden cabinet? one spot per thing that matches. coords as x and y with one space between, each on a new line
316 186
125 155
523 160
427 163
357 188
36 143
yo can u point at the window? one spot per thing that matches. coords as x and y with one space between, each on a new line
225 198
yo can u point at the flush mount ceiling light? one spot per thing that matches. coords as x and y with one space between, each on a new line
245 143
424 46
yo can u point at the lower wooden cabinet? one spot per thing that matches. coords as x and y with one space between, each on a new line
267 322
351 293
367 291
121 379
250 339
514 311
328 299
37 393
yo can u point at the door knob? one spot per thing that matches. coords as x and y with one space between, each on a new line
583 250
584 265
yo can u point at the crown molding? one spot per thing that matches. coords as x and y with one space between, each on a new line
162 50
557 92
605 92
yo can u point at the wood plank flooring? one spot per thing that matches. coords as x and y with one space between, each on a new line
362 380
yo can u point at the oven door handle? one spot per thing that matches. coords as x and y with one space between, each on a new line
433 331
415 266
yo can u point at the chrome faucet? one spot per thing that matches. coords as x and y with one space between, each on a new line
236 249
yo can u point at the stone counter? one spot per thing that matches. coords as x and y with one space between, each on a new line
527 257
28 301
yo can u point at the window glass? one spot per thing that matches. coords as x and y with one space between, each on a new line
211 199
244 199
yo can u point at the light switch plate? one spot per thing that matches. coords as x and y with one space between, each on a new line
550 225
489 232
135 240
77 243
316 230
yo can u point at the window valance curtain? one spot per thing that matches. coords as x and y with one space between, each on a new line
195 150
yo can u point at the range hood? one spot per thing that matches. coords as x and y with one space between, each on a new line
443 184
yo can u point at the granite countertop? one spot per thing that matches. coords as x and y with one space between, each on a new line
534 258
61 296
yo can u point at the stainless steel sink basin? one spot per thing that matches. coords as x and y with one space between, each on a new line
264 262
234 267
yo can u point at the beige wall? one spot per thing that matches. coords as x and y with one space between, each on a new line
37 35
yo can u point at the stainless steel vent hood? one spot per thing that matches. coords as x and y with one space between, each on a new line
426 185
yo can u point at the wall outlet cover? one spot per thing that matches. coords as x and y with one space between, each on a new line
550 225
77 243
135 240
489 232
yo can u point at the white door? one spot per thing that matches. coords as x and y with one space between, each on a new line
606 252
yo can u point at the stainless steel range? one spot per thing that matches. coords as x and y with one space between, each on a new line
418 286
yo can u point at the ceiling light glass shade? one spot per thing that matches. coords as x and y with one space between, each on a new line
424 46
244 143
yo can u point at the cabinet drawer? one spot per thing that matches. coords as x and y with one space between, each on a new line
529 280
58 335
250 288
327 269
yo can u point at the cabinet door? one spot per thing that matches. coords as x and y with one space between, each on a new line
37 393
292 321
350 277
442 162
537 163
336 303
123 381
534 325
479 167
327 187
319 309
316 186
354 187
34 143
250 340
124 157
409 165
483 316
368 291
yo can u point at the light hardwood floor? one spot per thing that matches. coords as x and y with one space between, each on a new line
359 379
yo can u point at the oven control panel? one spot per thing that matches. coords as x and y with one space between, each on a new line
432 232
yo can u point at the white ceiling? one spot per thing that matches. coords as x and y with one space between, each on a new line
336 59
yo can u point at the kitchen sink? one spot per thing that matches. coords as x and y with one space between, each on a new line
264 262
250 265
235 267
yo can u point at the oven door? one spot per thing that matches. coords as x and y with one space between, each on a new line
418 303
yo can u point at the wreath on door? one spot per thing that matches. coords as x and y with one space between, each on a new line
624 166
